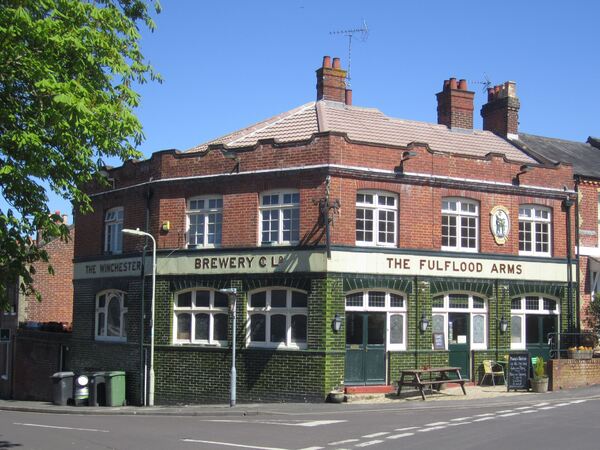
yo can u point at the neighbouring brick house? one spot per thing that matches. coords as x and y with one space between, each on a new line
327 211
35 346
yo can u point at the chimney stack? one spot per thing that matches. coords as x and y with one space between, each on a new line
501 112
331 82
455 105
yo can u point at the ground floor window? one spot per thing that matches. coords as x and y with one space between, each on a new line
111 314
462 319
277 317
201 317
390 327
532 319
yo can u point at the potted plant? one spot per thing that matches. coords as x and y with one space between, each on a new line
539 382
337 394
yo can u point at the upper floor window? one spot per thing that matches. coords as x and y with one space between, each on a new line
534 230
113 224
460 224
111 314
204 221
201 317
280 217
278 318
376 216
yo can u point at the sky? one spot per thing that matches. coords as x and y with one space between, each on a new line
228 64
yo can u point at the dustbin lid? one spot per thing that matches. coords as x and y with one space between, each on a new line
62 375
114 373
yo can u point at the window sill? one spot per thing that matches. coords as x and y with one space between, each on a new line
459 250
114 340
276 347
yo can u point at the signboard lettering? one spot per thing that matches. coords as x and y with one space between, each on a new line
518 371
438 341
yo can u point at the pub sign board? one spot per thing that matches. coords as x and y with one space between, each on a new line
438 341
518 371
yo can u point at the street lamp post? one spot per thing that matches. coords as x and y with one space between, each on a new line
138 232
232 295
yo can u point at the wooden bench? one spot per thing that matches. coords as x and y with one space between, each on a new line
437 376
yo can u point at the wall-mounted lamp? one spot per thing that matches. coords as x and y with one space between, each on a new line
523 169
503 325
405 157
423 323
336 323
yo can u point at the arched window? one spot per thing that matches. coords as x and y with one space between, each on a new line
111 314
392 304
460 224
445 308
277 317
201 316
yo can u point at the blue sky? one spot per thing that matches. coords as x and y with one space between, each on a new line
228 64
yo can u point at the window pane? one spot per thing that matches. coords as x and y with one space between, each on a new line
354 329
278 299
532 303
376 329
299 328
354 299
220 326
257 328
101 323
532 330
203 299
515 303
437 323
549 305
396 301
437 302
278 328
458 301
478 303
376 299
515 330
548 326
102 301
113 326
299 299
184 324
258 300
184 300
478 329
202 326
396 329
221 300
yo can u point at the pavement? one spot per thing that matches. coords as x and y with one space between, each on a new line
409 399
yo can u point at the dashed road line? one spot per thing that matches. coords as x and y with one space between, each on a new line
484 415
504 411
528 411
345 441
458 419
547 407
424 430
541 404
230 444
435 424
406 428
372 435
369 443
59 428
522 407
459 423
579 401
509 414
482 419
562 404
401 435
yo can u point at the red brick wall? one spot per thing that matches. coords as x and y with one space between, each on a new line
57 289
573 373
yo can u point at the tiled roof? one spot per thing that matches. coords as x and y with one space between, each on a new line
368 125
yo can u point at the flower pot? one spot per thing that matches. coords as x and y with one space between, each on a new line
539 384
336 397
580 354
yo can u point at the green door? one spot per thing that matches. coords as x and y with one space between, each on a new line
458 342
365 348
537 328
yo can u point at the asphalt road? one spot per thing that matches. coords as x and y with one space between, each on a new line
561 422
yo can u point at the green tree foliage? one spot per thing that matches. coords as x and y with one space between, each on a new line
67 70
593 313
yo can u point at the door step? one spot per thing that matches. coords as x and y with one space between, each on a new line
375 389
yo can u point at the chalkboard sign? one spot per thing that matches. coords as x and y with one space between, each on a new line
438 341
518 371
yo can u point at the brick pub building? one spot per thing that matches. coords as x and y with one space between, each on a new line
327 211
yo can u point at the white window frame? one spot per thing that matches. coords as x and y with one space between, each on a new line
522 312
376 208
445 310
192 310
534 220
459 214
205 212
388 309
111 295
113 224
267 311
281 207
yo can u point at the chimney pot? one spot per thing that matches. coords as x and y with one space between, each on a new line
452 83
446 84
336 63
501 112
327 61
490 94
455 105
331 81
462 85
348 96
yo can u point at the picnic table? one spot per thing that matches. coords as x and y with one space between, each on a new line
432 377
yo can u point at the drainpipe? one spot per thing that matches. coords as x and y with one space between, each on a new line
143 293
497 319
418 330
568 202
578 274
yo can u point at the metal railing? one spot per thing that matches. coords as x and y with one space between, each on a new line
560 343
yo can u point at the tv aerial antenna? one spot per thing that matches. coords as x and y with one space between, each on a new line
486 83
363 33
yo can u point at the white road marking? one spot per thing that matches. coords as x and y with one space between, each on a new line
509 414
522 407
229 444
425 430
382 433
316 423
578 401
369 443
312 448
484 415
561 404
435 424
458 419
504 411
401 435
547 407
483 419
529 411
59 428
542 404
458 423
406 428
347 441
